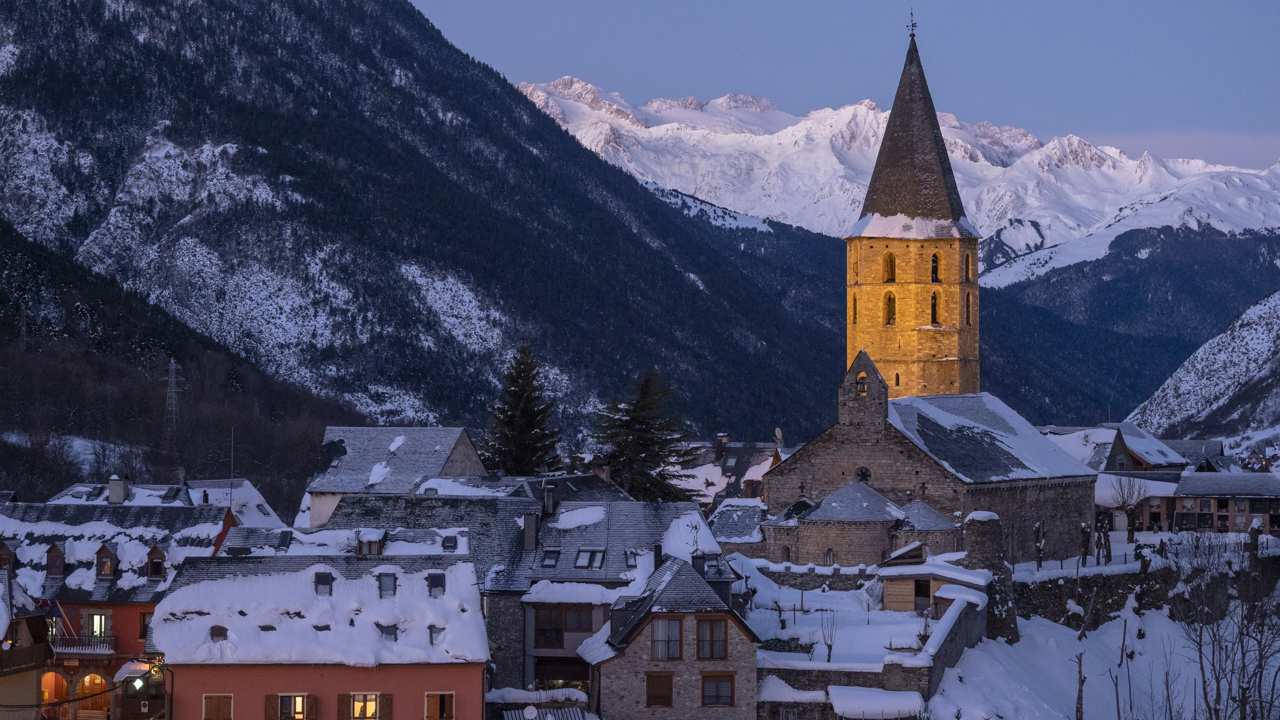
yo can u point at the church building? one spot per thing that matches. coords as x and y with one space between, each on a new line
917 446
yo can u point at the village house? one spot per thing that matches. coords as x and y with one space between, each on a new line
675 650
1227 502
324 638
239 495
24 645
100 569
385 460
725 468
944 455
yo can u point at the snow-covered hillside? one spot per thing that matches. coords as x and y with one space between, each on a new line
1230 386
1066 197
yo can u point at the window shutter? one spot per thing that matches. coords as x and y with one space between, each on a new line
273 707
384 706
344 706
106 622
309 705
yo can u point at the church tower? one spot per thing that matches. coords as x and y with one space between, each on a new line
912 262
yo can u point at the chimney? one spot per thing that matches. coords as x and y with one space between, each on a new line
722 444
117 490
700 564
550 498
657 555
530 530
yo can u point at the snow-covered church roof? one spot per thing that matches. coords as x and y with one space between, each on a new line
980 439
334 610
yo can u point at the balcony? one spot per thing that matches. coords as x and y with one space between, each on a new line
84 645
21 659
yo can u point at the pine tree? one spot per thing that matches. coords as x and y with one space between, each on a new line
522 441
644 447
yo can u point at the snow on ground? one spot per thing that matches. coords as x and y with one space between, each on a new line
1179 548
1035 679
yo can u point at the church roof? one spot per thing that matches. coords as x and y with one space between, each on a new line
913 192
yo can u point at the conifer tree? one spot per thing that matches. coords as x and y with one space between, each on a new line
643 446
523 441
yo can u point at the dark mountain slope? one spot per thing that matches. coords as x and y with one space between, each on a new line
334 191
81 357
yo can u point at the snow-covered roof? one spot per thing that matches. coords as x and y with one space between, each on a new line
856 501
239 495
722 467
385 459
260 542
675 587
1111 490
940 566
272 613
920 515
866 702
737 520
80 531
1148 447
1087 445
566 487
980 439
774 689
1229 484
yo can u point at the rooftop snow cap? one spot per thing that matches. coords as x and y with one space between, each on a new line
912 178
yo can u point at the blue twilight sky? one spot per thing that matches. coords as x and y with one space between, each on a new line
1198 78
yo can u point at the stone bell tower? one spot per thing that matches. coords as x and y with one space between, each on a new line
912 260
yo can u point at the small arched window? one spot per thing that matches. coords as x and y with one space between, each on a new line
786 554
890 268
968 309
853 311
967 272
864 474
933 309
218 633
860 385
829 557
890 309
934 271
897 380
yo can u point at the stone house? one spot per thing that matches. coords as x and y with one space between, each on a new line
1227 501
955 453
24 632
851 526
676 650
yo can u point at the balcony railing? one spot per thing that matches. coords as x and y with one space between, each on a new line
20 659
85 645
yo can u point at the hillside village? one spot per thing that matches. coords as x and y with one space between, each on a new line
932 553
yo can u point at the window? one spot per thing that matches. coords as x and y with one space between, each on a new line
897 380
434 633
860 385
589 559
386 585
218 633
717 690
450 543
1223 504
890 309
853 311
390 632
550 558
55 562
967 273
439 706
864 474
97 624
293 707
324 584
890 268
657 690
1258 507
106 565
666 638
548 626
788 712
632 558
144 625
216 707
968 309
435 584
369 547
155 563
713 639
934 273
577 618
364 706
933 309
786 553
829 557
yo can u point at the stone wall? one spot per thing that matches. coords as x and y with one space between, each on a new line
837 579
807 543
621 689
1059 505
504 623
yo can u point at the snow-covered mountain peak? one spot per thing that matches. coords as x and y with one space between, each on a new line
664 105
740 101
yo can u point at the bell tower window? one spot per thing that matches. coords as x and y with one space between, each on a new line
853 311
933 309
968 309
890 268
860 385
897 380
890 309
967 273
934 274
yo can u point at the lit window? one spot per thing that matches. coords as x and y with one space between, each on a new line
386 585
666 638
589 559
97 624
364 706
293 707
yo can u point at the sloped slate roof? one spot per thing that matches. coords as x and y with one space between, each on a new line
567 487
80 530
912 176
675 587
1229 484
1151 449
385 459
243 541
855 502
737 520
980 439
236 494
922 516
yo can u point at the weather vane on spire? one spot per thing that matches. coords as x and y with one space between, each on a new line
911 26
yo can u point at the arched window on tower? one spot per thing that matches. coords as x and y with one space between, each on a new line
890 309
860 385
968 309
933 309
853 311
890 268
934 272
967 273
897 380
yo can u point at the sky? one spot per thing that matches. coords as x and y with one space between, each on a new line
1182 78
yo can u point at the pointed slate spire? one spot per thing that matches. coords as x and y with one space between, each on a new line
912 177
